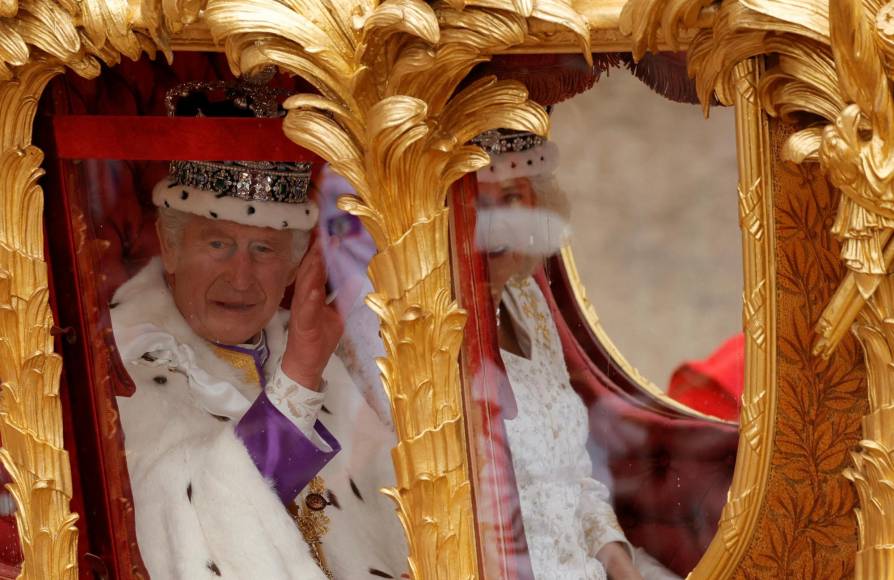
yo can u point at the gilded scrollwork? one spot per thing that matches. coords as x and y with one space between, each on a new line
832 67
388 116
30 414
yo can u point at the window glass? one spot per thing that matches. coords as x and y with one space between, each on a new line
583 467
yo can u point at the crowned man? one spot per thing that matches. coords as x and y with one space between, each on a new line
234 434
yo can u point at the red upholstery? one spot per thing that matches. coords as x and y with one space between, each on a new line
10 550
669 474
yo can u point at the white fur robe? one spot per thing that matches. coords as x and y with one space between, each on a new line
202 508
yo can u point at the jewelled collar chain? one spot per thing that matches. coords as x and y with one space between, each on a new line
312 521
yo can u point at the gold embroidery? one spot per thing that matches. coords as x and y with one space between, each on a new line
308 512
242 362
530 308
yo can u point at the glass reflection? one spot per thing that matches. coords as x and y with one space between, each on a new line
255 440
570 528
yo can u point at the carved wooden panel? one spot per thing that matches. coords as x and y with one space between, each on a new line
807 527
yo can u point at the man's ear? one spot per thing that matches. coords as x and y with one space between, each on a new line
168 251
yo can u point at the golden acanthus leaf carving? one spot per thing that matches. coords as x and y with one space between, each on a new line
30 413
873 468
81 34
389 118
643 20
834 63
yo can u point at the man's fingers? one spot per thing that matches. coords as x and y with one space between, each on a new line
311 274
309 309
306 310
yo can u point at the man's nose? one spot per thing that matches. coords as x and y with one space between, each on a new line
241 270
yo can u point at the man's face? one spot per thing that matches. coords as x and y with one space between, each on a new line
227 278
505 264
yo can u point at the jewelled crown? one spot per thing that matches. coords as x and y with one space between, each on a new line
257 193
496 142
515 154
286 182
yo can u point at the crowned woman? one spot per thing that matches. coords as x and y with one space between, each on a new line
569 524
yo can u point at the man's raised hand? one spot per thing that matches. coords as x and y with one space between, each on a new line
314 327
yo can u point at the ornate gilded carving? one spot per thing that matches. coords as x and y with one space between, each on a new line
874 459
730 530
388 120
758 416
806 527
30 413
754 304
857 153
752 418
749 208
832 65
649 21
81 34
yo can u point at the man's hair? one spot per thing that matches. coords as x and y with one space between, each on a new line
172 222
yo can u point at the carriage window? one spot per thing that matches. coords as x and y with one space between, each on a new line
226 333
584 467
656 238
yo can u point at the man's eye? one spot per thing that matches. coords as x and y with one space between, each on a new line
217 244
264 250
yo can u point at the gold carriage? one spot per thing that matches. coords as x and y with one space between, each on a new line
796 483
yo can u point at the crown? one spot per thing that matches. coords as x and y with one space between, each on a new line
496 142
229 189
247 180
515 154
240 98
